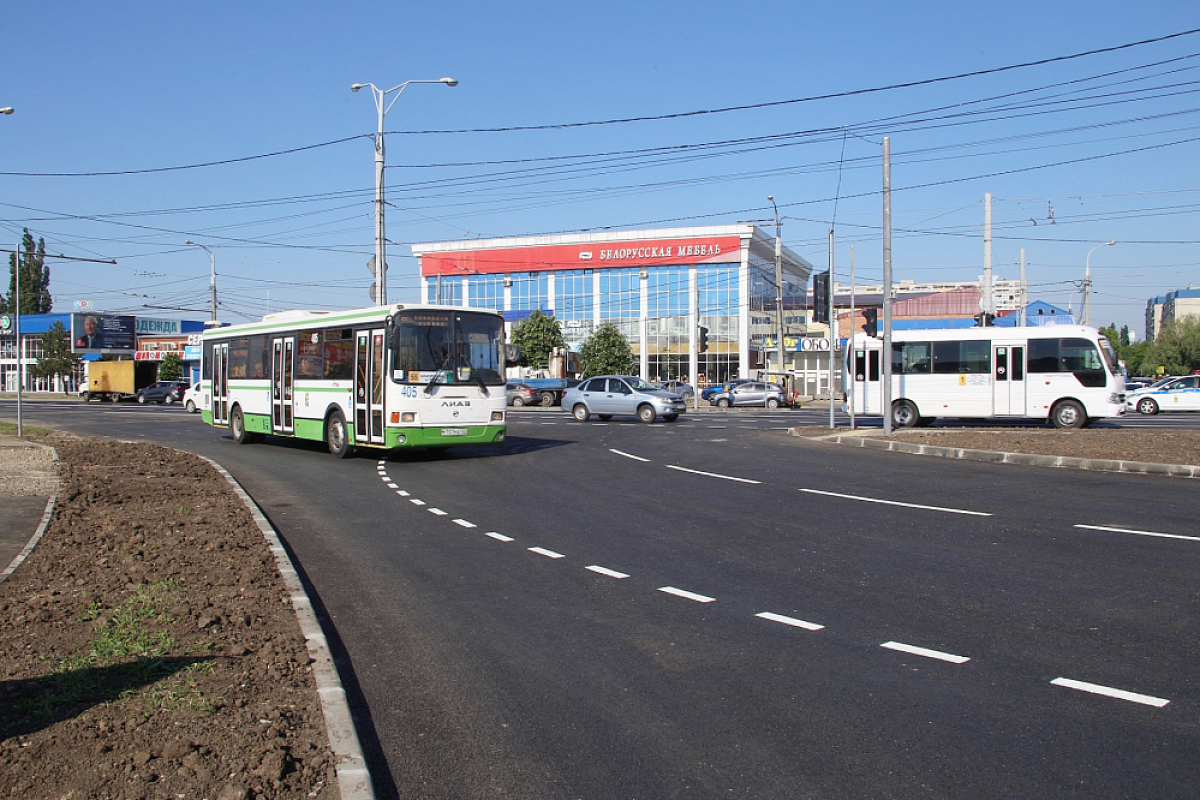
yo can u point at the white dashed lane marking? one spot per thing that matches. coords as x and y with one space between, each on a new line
925 653
1107 691
698 598
795 623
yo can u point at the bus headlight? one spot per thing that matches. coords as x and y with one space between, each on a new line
408 416
497 416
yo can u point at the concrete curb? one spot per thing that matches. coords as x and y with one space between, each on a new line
354 779
47 515
1092 464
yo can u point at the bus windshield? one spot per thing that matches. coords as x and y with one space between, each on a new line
447 347
1110 357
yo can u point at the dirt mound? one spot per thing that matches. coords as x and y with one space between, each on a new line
149 646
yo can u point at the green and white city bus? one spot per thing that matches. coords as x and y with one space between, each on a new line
380 378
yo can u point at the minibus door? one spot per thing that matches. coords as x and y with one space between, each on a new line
220 384
1008 380
368 387
867 395
283 379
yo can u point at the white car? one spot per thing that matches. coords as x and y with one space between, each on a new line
1179 394
192 399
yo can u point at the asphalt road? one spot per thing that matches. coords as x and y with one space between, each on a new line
710 608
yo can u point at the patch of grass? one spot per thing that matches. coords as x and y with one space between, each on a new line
10 429
129 649
180 694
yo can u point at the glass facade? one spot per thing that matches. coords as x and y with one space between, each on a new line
658 307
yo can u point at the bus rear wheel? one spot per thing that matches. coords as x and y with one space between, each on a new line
237 426
336 437
1068 414
904 414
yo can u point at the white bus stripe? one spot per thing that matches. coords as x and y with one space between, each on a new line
1107 691
897 503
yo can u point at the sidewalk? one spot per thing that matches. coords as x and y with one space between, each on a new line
27 482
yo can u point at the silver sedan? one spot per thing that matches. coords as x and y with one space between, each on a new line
610 395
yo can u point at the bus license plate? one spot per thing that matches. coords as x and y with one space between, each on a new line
454 431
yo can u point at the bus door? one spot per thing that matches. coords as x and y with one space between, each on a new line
283 379
368 387
1008 379
867 395
220 383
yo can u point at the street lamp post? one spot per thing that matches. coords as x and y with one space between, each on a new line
380 97
1087 283
212 279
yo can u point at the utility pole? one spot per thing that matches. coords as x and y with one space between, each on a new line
986 299
832 322
886 355
850 340
1024 292
778 285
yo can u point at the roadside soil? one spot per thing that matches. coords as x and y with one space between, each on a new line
1167 447
148 648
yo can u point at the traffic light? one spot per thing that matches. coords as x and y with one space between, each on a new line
703 340
871 315
822 301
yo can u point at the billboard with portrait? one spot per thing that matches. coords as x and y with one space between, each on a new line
103 333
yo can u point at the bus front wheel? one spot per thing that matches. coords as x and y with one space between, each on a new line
904 414
1068 414
336 437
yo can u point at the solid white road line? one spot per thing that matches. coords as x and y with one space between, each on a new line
921 651
499 537
711 474
1107 691
699 598
612 573
1139 533
795 623
897 503
541 551
628 455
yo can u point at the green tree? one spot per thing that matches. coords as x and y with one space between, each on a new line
1176 348
35 279
606 352
537 335
56 357
170 368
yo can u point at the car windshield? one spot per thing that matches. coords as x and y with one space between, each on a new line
639 385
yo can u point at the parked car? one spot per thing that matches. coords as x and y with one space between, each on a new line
191 399
751 393
519 394
1175 394
610 395
680 388
168 392
708 392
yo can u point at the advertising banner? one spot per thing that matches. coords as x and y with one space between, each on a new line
103 333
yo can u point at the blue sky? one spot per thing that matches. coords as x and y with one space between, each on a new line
117 105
